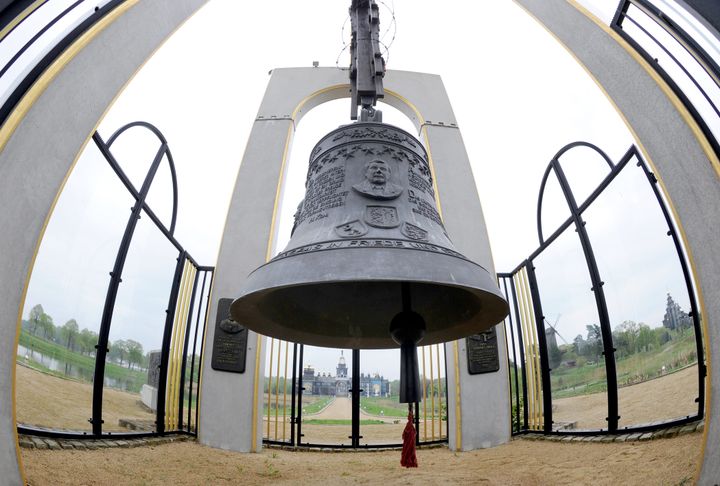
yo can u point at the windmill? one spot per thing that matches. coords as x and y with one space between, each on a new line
551 335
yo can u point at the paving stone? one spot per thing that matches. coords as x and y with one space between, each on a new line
634 437
91 445
607 439
78 444
26 443
53 445
65 444
646 436
688 429
39 443
700 426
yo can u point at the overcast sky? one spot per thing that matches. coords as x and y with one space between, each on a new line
518 97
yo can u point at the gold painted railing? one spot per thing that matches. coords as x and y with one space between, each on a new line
177 343
532 350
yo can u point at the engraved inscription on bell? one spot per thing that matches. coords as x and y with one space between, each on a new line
382 216
367 181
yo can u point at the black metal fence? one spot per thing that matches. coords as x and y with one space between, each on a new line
625 375
339 404
180 358
680 56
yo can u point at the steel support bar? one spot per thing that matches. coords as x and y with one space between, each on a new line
293 397
183 365
192 359
300 390
694 308
597 289
355 398
202 342
111 295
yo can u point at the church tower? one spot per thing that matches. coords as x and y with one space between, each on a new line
341 367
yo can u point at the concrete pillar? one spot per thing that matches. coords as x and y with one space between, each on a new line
681 159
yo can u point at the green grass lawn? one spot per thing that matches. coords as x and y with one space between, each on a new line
310 404
385 406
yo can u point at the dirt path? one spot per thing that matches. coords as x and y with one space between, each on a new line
340 408
668 397
521 462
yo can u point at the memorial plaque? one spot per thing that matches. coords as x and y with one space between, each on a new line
230 341
482 352
154 368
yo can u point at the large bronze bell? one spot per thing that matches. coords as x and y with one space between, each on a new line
369 252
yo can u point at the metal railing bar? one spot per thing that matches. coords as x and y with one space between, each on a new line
678 64
39 34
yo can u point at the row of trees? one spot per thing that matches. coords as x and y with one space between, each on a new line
125 352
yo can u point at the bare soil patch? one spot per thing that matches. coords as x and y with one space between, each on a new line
669 397
49 401
521 462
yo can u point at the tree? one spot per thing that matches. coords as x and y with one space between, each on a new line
646 338
36 314
594 341
579 345
118 351
47 326
87 341
134 352
69 333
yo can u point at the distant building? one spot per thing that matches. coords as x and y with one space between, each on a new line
675 318
374 385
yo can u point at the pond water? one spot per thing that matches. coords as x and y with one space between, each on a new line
84 373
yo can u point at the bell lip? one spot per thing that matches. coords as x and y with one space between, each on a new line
490 304
422 150
430 338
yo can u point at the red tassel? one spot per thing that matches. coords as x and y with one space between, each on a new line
408 458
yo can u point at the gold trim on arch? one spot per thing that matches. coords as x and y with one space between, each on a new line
701 139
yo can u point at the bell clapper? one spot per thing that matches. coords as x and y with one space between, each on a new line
407 329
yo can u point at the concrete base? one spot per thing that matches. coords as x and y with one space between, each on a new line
149 395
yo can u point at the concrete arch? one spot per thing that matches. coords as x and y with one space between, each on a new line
249 238
38 146
681 157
